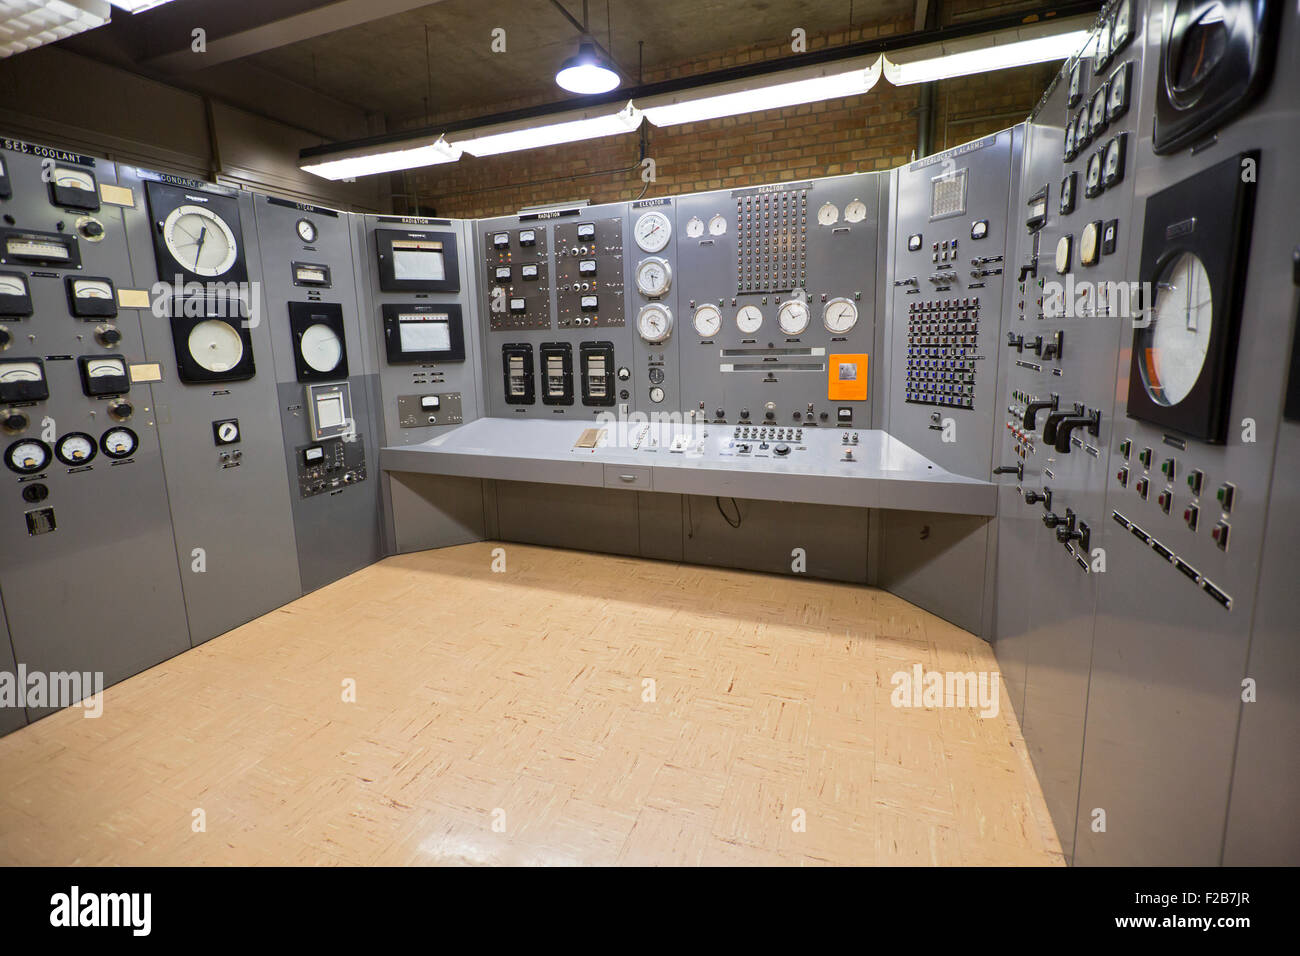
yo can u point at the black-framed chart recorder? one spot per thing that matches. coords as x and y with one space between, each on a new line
414 261
423 333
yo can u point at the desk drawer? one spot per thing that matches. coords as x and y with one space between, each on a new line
636 477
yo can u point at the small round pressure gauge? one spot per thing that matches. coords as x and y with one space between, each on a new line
306 230
793 317
653 276
708 320
839 316
654 323
749 319
119 442
75 448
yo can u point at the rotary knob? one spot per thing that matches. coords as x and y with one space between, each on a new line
6 338
14 421
108 335
121 411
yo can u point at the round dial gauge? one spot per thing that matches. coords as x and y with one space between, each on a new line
1178 339
92 289
306 230
718 225
75 448
749 319
793 317
855 211
654 323
200 240
653 277
27 456
708 320
656 394
1094 173
828 214
119 443
1102 53
1090 243
216 345
320 347
1114 160
840 315
652 232
695 228
1063 247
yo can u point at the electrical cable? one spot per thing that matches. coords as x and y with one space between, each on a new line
736 524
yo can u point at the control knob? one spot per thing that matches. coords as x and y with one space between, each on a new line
108 335
781 449
1052 519
14 421
121 410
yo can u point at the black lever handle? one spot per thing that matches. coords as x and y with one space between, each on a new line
1030 420
1067 425
1018 469
1054 419
1052 520
1016 342
1037 346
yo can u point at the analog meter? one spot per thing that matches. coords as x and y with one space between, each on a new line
793 317
840 315
27 456
855 211
200 240
708 320
1179 336
75 448
718 225
695 228
119 442
321 347
652 231
749 319
654 322
215 346
653 276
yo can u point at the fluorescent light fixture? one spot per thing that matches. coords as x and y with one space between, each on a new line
357 163
25 24
138 6
790 88
587 73
1036 43
562 128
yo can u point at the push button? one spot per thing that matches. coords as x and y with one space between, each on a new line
1220 535
1194 480
1226 493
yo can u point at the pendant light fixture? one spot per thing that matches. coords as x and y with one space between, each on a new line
587 73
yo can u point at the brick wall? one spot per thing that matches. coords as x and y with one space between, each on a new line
875 131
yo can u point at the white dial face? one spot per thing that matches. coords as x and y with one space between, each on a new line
840 315
855 211
321 348
828 214
216 346
749 319
200 240
695 228
13 285
75 448
1094 172
653 277
718 225
27 457
708 320
654 323
1098 118
1179 338
656 394
74 179
1090 243
118 443
92 289
98 368
1063 248
35 249
1123 14
793 317
1103 45
306 230
20 372
1113 153
652 231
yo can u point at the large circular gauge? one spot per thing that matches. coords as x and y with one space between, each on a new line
749 319
1178 339
708 320
793 317
75 448
320 347
200 240
652 231
1203 44
215 345
27 456
840 315
855 211
1064 246
653 276
119 442
654 322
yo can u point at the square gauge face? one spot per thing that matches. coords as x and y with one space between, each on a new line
586 230
91 298
6 189
15 295
103 375
74 187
